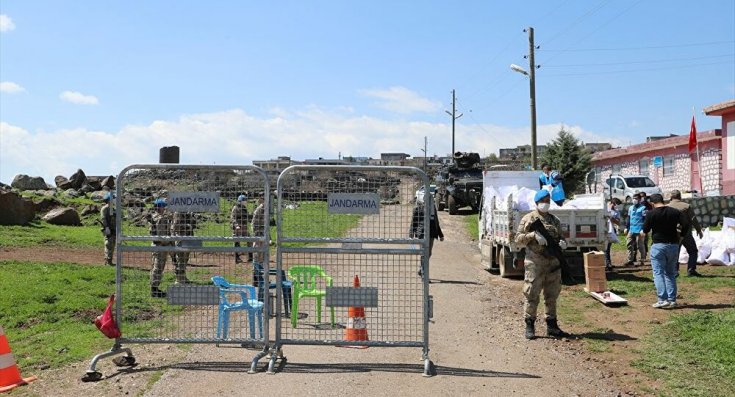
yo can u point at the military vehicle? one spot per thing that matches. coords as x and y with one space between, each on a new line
459 184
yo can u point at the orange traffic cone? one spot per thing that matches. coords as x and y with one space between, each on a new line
9 374
356 325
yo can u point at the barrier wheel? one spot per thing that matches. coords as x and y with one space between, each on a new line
124 361
429 369
93 376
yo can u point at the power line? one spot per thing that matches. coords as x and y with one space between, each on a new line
640 62
640 70
579 19
642 48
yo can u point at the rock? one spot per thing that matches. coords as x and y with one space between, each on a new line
87 188
16 209
90 209
71 193
61 180
95 182
77 179
25 182
98 195
63 216
46 204
109 182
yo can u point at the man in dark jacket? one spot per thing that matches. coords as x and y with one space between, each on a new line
417 226
687 239
665 223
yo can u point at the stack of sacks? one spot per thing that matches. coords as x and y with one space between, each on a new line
715 247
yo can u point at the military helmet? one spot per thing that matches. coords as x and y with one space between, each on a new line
159 203
241 198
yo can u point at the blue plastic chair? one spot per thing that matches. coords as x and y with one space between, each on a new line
247 302
259 281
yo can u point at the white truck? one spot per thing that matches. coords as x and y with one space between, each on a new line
508 196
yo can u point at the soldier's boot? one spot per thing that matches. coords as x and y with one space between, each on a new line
108 262
530 328
553 330
181 277
157 293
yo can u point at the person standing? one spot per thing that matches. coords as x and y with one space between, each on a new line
635 240
664 222
107 218
542 270
417 227
687 239
160 225
548 177
613 221
182 224
645 200
239 221
259 227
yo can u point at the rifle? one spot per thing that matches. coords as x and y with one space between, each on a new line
553 249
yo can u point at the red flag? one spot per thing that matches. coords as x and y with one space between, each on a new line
693 137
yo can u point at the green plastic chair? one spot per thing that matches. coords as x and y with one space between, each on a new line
305 285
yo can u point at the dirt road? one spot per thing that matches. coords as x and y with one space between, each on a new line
476 344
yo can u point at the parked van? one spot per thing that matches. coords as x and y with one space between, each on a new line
624 187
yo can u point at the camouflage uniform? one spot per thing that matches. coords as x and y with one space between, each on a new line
182 224
107 217
538 265
160 225
259 227
239 222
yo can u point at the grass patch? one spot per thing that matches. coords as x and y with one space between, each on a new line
152 380
693 354
47 310
472 226
40 233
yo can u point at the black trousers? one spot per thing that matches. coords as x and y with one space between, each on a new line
688 243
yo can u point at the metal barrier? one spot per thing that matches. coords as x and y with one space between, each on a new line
345 248
183 271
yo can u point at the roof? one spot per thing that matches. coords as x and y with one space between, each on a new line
641 148
720 108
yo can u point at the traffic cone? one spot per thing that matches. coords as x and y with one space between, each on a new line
356 325
9 374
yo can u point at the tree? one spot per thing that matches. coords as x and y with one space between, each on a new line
570 158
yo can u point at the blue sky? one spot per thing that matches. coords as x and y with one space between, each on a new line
100 85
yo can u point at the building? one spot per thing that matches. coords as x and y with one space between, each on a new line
274 165
667 161
597 147
520 152
726 110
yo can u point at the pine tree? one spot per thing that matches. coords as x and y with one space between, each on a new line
570 158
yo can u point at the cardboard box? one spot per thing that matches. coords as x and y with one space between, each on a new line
594 271
594 259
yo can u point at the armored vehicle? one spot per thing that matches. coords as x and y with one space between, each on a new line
459 184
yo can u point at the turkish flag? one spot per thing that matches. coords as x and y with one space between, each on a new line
693 137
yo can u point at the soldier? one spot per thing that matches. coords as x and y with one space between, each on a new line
107 218
542 269
160 225
259 226
417 227
239 221
182 224
687 239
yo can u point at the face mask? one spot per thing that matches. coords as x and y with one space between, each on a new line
635 201
543 207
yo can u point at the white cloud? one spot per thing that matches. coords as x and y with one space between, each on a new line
9 87
6 24
236 137
402 100
78 98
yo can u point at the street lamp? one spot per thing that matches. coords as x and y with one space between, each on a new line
424 150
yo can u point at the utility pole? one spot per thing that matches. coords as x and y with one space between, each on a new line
532 77
425 142
454 118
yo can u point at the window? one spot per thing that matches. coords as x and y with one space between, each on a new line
668 165
643 166
619 183
639 182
